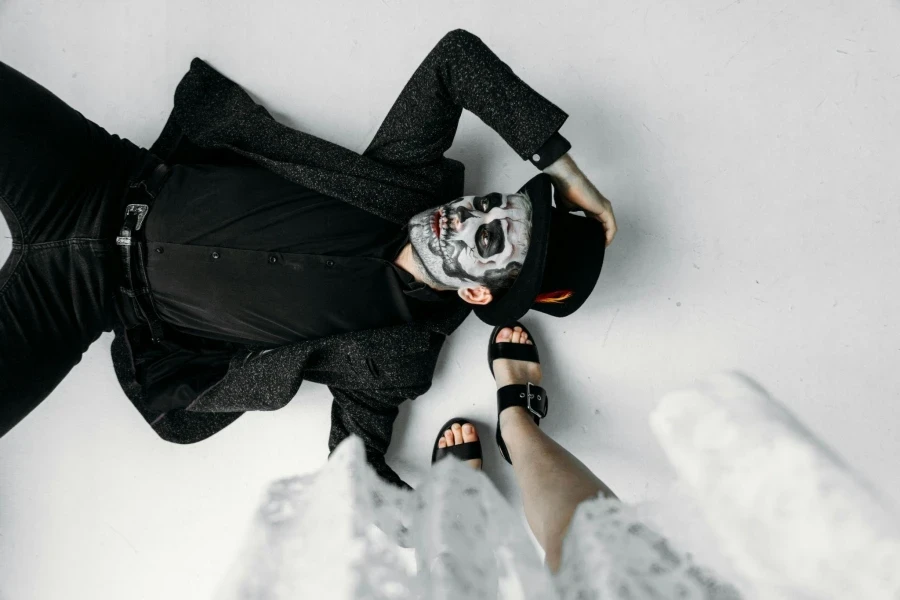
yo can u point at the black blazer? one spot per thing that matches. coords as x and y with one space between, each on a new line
401 173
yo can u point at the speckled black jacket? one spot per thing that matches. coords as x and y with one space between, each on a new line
401 173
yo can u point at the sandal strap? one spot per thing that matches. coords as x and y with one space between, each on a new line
533 397
466 451
526 352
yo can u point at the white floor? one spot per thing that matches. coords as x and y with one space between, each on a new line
750 149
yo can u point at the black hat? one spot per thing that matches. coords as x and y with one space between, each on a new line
562 264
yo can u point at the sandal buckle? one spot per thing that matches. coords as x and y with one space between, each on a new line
536 402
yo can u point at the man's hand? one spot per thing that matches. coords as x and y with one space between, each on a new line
580 194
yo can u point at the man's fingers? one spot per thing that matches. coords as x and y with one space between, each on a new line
611 229
594 200
609 225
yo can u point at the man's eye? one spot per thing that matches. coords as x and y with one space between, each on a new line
485 238
486 203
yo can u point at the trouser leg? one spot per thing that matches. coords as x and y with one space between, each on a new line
62 181
61 175
54 306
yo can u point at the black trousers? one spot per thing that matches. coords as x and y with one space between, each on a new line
62 187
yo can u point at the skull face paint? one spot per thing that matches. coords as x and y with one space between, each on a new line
474 240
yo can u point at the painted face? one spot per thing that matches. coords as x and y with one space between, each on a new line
473 240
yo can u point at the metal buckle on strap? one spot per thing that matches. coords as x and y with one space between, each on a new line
134 220
539 407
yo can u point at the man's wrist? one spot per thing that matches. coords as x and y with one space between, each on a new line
563 170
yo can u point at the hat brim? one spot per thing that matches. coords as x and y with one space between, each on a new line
518 299
575 250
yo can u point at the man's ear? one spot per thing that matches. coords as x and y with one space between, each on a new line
477 295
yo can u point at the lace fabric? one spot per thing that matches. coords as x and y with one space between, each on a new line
795 522
344 533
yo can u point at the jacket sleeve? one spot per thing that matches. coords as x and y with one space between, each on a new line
369 414
462 72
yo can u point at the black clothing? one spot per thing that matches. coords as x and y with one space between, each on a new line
240 254
402 172
251 208
62 181
555 146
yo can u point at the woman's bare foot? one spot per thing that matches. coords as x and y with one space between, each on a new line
509 372
460 435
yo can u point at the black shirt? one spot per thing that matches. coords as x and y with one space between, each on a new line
243 255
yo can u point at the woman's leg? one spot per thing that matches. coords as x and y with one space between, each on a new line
552 481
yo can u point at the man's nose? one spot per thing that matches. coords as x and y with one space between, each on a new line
459 216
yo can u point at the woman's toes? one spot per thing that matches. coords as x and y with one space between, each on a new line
504 334
442 443
448 436
457 433
517 335
469 434
524 337
529 342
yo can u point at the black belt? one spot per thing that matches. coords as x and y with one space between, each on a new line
139 198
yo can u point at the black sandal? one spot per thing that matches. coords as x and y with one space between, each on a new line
529 395
464 451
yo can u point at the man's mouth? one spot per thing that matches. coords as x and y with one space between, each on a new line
437 228
436 224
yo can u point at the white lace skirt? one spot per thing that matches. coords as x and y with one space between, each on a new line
796 523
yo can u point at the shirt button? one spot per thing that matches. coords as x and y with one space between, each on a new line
329 263
536 157
215 255
273 260
159 250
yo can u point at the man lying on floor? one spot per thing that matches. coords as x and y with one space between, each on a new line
239 257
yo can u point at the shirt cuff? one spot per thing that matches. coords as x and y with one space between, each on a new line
552 149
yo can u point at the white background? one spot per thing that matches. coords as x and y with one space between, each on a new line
750 149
